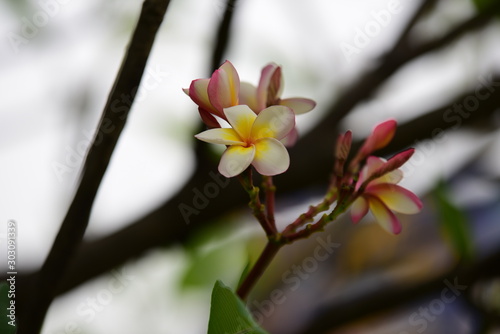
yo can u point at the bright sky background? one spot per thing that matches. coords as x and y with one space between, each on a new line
55 87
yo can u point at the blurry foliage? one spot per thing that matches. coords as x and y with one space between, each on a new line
483 5
217 252
454 223
5 328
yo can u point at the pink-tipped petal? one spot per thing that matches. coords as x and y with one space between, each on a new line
235 160
241 119
186 91
248 96
271 157
342 149
264 83
381 135
397 198
275 87
273 122
222 136
359 209
198 93
343 145
208 118
224 87
384 215
298 105
395 162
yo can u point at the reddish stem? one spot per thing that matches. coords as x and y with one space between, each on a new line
258 269
258 209
270 190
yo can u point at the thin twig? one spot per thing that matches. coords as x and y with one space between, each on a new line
313 211
110 127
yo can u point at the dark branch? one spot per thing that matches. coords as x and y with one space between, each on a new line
403 39
223 34
110 127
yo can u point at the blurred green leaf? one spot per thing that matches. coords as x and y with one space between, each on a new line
5 328
207 266
216 252
453 223
246 270
228 314
486 5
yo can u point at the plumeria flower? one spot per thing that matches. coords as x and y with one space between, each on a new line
380 194
214 94
268 93
253 140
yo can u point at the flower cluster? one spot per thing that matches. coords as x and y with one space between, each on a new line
374 180
261 122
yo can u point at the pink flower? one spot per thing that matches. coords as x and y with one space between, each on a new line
253 139
213 95
380 194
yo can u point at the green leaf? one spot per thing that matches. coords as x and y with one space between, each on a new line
5 327
453 223
228 314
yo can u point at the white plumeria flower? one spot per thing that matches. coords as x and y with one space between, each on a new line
253 140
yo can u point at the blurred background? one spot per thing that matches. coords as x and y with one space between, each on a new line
434 66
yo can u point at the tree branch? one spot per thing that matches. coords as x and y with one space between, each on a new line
403 39
223 34
110 127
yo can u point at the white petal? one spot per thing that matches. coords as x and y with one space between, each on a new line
273 122
299 105
384 215
397 198
235 160
271 157
220 136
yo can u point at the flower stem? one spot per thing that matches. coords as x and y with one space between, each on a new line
342 205
258 269
330 197
270 190
258 209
